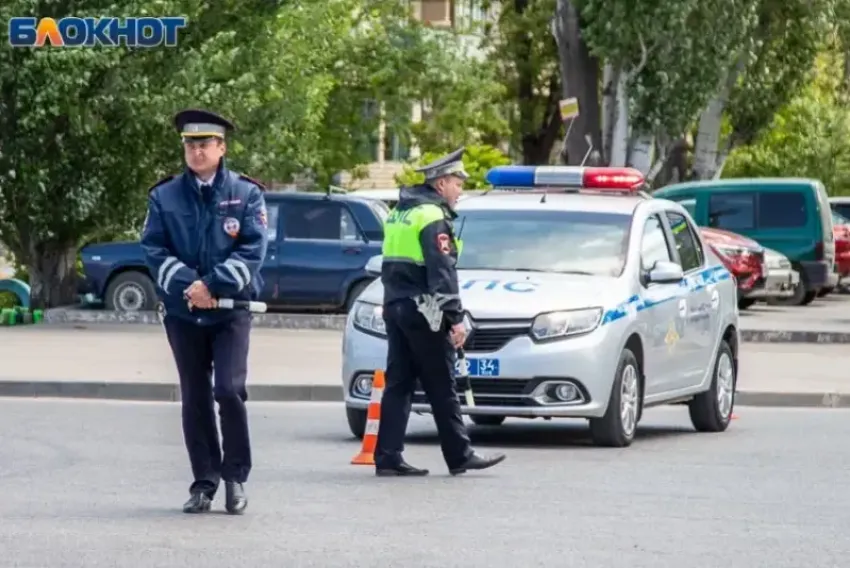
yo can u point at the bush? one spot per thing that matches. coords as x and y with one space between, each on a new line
477 160
8 300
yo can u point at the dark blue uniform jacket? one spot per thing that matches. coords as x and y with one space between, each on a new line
218 236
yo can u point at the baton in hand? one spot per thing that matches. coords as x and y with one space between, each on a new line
230 304
463 376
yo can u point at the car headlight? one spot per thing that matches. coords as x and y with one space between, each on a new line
568 323
369 318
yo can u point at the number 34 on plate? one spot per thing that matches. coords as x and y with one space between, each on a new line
479 367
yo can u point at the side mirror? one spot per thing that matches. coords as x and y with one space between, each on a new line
665 272
374 264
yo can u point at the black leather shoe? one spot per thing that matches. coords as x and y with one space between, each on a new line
403 469
199 502
235 500
477 462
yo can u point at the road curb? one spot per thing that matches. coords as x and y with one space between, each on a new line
794 336
269 321
159 392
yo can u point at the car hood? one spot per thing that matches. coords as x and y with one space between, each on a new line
728 238
501 294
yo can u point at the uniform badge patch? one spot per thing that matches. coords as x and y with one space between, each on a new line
264 216
231 227
444 243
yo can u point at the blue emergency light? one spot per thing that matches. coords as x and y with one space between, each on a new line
619 180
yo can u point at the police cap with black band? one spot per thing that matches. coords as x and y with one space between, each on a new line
448 165
196 125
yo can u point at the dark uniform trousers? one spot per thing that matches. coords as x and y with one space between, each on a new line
197 350
414 351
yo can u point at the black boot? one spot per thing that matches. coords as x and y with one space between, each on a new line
477 462
403 469
235 500
199 502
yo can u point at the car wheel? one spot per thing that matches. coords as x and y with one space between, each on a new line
616 429
809 297
486 420
356 421
354 293
711 411
745 303
131 292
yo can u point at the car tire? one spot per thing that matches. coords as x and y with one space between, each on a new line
611 430
809 297
354 293
356 421
131 291
486 420
711 411
745 303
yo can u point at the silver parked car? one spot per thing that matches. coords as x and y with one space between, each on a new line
583 299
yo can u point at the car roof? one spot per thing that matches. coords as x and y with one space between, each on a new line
840 199
314 196
730 184
588 203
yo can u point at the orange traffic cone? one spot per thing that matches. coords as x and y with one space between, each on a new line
373 418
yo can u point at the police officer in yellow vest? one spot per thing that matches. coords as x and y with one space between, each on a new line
424 319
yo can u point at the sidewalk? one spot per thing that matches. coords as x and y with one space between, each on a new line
134 362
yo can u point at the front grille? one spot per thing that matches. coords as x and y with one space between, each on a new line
490 392
488 339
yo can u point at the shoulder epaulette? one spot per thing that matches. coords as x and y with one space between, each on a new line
252 180
160 182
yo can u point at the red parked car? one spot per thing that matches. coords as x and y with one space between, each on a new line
742 256
841 231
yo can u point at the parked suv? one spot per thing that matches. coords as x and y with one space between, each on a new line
789 215
318 248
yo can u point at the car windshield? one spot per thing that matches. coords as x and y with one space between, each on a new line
380 209
544 241
839 219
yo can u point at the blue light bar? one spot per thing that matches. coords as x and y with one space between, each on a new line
511 176
535 176
573 177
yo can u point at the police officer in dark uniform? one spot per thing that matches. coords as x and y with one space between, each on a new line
204 239
419 256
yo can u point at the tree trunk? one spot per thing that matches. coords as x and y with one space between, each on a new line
580 79
53 275
609 106
707 144
640 154
620 130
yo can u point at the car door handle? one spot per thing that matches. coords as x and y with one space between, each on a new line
352 250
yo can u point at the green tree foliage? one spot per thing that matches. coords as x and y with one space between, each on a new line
524 51
809 137
686 68
84 131
477 160
787 38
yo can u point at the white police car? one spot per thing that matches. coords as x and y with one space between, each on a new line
584 299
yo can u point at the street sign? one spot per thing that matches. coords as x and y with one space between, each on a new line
569 108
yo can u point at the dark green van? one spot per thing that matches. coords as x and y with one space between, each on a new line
789 215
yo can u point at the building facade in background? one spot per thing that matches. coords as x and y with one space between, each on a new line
389 151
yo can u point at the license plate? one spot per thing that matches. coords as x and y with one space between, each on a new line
479 367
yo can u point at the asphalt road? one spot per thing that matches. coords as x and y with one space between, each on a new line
94 484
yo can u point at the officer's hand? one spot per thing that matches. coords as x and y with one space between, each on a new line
458 334
199 296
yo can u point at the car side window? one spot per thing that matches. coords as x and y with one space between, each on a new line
313 220
686 241
732 211
842 209
653 245
348 230
782 210
273 211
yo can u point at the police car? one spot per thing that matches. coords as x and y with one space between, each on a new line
584 298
